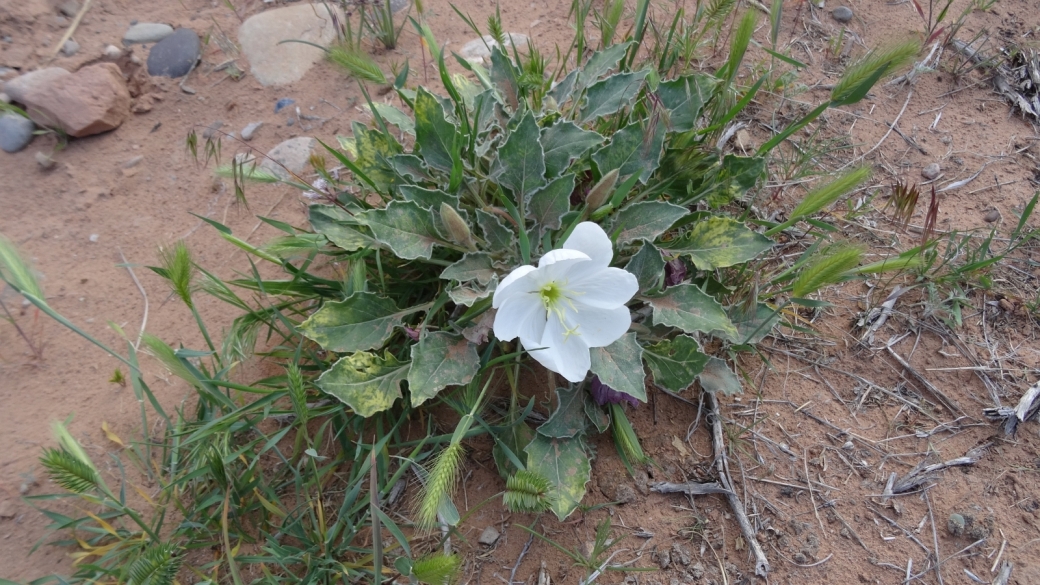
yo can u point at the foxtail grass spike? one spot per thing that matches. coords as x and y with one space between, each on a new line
527 492
829 267
16 271
179 269
357 63
824 195
440 484
437 569
875 65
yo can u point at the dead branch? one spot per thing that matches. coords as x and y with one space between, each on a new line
938 394
923 472
689 488
1027 409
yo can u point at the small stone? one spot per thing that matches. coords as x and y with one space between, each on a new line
290 121
16 132
931 171
697 572
398 5
991 216
955 524
283 103
94 238
45 162
275 63
175 55
146 32
112 52
479 50
69 8
799 558
93 100
625 494
70 48
664 559
842 14
681 554
294 154
249 131
133 162
489 537
848 446
212 129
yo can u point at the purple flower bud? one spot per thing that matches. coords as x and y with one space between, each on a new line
604 394
674 272
411 333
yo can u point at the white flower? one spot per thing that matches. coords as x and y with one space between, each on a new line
571 302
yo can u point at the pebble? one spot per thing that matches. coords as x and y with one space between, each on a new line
175 55
133 162
146 32
489 537
294 154
282 103
477 50
94 238
930 172
250 130
842 14
955 524
212 129
275 64
70 48
69 8
45 161
112 52
991 216
15 132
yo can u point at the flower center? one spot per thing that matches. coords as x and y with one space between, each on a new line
552 294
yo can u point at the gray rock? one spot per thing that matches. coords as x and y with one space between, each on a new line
249 131
625 494
275 64
147 32
489 537
991 216
664 559
931 171
211 130
175 55
479 50
398 5
20 88
133 162
842 14
112 52
70 48
69 8
955 524
15 132
293 154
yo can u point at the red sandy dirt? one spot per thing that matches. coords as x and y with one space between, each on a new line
796 427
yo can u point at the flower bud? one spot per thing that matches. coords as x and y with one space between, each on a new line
603 189
457 228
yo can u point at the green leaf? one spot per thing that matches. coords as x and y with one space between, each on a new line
548 204
647 266
620 366
718 242
718 378
520 164
753 326
600 63
566 465
394 116
411 167
561 90
336 225
497 236
467 294
612 94
569 417
736 175
675 363
685 98
687 307
364 321
516 437
374 149
429 199
599 417
405 228
563 143
632 151
365 382
473 266
503 77
440 360
645 221
434 134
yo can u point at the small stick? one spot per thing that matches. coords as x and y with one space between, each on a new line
943 398
909 94
996 562
808 482
72 29
761 562
144 318
520 559
935 539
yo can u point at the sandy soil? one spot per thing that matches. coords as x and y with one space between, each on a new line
820 445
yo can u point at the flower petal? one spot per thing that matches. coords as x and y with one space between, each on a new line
589 238
606 288
595 326
520 316
513 285
555 256
569 352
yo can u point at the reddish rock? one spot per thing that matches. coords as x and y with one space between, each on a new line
90 101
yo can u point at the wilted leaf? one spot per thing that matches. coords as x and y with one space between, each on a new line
440 360
569 417
687 307
566 465
548 204
467 294
405 228
718 378
645 221
110 435
374 149
365 382
364 321
520 164
718 242
503 77
599 417
675 363
620 366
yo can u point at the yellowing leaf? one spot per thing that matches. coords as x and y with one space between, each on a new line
111 436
